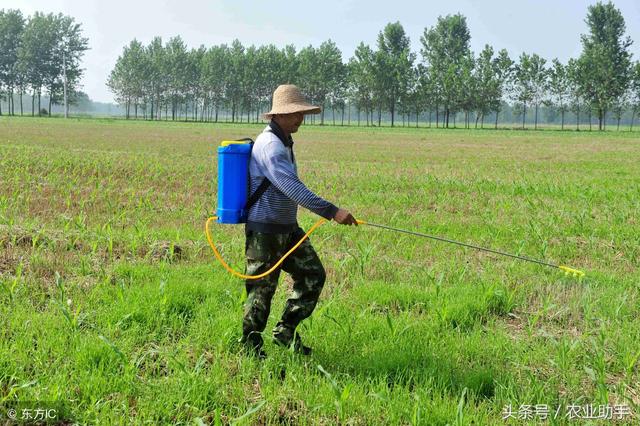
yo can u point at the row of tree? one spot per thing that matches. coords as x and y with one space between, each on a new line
39 54
173 81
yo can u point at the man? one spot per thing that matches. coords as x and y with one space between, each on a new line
272 227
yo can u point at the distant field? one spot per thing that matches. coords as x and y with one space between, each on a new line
113 309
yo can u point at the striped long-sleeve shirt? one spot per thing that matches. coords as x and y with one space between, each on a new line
276 210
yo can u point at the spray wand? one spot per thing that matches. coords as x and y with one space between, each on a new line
566 269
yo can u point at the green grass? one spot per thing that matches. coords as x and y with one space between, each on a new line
112 304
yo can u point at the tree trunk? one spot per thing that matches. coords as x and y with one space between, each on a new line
21 106
535 126
497 113
600 119
562 119
633 113
524 113
393 113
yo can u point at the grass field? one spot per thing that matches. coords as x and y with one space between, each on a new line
113 310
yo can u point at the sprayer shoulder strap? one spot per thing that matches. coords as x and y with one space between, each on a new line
253 198
256 195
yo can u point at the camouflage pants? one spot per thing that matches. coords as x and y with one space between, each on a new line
262 252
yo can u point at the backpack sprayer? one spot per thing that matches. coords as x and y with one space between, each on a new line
233 196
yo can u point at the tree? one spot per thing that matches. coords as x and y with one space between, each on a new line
504 70
620 104
468 91
416 97
177 59
445 48
35 54
49 56
271 67
361 79
69 49
216 76
396 60
194 81
250 80
605 61
329 73
127 78
575 86
234 84
319 69
539 82
11 29
484 76
635 92
531 83
523 91
559 88
156 77
291 66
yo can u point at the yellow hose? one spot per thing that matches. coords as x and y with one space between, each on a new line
264 274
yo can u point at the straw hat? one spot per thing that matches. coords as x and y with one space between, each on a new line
287 99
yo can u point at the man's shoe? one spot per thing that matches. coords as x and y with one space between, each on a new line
253 351
253 348
298 347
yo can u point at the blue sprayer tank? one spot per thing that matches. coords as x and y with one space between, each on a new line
233 175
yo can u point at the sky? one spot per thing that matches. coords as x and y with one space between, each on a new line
550 28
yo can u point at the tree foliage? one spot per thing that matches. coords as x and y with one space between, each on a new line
39 53
605 63
169 80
